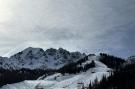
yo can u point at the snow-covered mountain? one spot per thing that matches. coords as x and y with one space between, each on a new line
66 81
131 59
37 58
71 69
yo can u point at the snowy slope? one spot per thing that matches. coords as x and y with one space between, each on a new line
67 81
37 58
131 59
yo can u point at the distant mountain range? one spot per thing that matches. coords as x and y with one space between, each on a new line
37 58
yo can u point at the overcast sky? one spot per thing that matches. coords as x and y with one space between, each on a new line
90 26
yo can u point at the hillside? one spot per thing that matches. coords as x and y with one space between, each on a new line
34 68
66 81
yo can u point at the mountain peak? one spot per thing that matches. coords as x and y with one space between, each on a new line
33 49
37 58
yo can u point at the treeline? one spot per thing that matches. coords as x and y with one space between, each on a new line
76 67
13 76
122 79
111 61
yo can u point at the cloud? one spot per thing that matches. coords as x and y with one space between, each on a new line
90 26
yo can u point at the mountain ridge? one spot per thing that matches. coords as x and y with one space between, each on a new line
33 58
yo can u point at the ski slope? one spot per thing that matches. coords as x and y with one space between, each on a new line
66 81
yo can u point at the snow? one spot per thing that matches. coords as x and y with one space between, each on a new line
131 59
58 81
66 81
37 58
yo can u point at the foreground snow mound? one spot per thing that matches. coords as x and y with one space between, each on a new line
66 81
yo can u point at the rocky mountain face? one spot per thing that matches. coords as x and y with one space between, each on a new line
37 58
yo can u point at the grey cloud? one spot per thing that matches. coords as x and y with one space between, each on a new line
89 26
57 34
